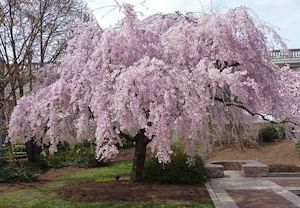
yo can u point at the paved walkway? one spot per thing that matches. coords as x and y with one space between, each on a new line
234 191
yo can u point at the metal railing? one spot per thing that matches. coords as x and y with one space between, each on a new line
279 54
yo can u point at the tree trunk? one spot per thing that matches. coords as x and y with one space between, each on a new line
141 142
33 151
1 140
2 100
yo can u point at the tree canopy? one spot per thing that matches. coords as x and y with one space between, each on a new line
169 75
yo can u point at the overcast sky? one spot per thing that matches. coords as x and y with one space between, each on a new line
283 14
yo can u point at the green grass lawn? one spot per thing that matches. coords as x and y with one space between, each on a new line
44 196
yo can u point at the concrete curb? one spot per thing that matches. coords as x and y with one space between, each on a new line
213 196
220 197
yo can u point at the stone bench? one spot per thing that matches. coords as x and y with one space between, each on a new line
214 170
248 168
254 168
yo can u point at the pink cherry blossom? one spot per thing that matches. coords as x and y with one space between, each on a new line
172 75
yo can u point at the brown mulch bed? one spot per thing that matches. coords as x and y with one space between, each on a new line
54 174
280 156
51 175
133 192
5 187
127 154
283 168
124 154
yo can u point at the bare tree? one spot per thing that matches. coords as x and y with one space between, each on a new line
32 33
1 109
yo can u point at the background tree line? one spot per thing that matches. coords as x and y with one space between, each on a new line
32 34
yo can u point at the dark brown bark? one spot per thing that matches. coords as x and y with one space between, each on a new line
33 151
141 142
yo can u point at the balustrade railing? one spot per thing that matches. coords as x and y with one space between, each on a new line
279 54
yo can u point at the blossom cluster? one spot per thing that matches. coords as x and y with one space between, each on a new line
172 75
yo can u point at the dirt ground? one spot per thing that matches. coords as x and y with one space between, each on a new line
133 192
280 156
127 154
5 187
51 175
124 154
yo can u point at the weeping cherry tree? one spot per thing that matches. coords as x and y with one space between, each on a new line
169 75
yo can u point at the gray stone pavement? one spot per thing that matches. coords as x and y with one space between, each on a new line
235 191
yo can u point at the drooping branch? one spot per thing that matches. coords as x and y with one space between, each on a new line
252 113
160 75
126 136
